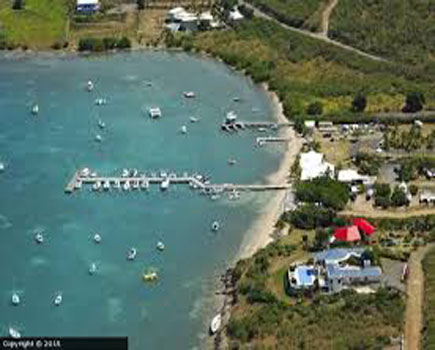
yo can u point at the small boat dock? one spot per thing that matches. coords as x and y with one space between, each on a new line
260 126
271 139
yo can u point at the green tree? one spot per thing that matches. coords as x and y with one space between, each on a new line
18 4
359 103
140 4
398 198
414 102
315 108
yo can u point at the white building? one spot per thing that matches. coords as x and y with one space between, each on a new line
313 166
181 19
87 6
351 176
235 15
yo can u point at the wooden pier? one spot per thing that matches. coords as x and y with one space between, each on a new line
271 139
77 181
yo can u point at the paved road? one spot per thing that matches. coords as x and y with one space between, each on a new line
318 36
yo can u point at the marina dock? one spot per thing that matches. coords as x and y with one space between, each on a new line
194 181
271 139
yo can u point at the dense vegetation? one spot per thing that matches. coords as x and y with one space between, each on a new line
263 319
408 139
384 197
296 13
429 316
303 70
33 24
103 44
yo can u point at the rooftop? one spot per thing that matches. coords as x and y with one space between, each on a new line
335 271
336 255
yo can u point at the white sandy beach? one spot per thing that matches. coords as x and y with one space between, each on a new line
259 234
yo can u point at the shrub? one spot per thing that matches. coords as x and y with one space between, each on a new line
315 108
359 103
414 102
310 216
413 189
18 5
123 43
398 198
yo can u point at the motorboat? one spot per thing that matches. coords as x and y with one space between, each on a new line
35 109
78 185
155 112
14 333
2 167
125 173
15 299
215 324
150 276
92 268
117 184
172 175
101 124
89 86
135 185
96 186
163 173
193 119
160 246
149 83
39 238
85 172
98 138
145 185
189 94
232 161
106 185
131 254
183 129
58 299
231 117
262 129
215 226
94 174
100 101
126 186
97 238
236 98
165 184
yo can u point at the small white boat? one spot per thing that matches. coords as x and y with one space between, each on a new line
193 119
98 138
183 129
189 94
126 186
35 109
164 185
155 112
78 185
89 86
2 166
135 185
97 238
100 101
262 129
94 174
131 254
15 299
101 124
96 186
160 246
14 333
125 173
215 323
215 226
231 117
117 184
39 238
236 98
232 161
58 299
106 185
145 185
92 269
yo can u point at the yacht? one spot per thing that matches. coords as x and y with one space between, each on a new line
106 185
97 238
131 254
2 166
189 94
126 186
193 119
101 124
96 186
215 324
155 112
160 246
14 333
165 184
125 173
184 129
89 86
215 226
92 268
15 299
98 138
58 299
35 109
39 238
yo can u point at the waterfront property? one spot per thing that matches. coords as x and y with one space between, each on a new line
87 6
334 270
313 165
179 19
351 176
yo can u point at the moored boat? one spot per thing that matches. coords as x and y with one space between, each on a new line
92 268
183 129
15 299
97 238
215 226
193 119
155 112
165 184
98 138
160 246
150 276
14 333
35 109
39 238
89 86
131 254
189 94
58 299
126 186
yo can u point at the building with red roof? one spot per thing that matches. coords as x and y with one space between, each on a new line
364 226
347 234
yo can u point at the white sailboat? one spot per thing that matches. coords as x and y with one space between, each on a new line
15 299
215 323
97 238
14 333
35 109
58 299
131 254
92 268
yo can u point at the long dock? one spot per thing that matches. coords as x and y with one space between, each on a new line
271 139
142 181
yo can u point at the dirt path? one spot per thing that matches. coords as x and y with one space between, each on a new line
399 214
414 302
318 36
325 16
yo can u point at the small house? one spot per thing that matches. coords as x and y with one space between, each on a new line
351 176
313 166
427 196
341 277
87 6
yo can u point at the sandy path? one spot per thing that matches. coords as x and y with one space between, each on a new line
259 235
325 16
414 301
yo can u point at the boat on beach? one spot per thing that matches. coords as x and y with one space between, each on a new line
14 333
215 323
131 254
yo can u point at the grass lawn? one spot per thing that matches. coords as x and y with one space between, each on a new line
40 24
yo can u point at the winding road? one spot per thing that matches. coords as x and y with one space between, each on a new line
319 36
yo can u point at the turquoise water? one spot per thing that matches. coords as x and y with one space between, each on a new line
41 153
